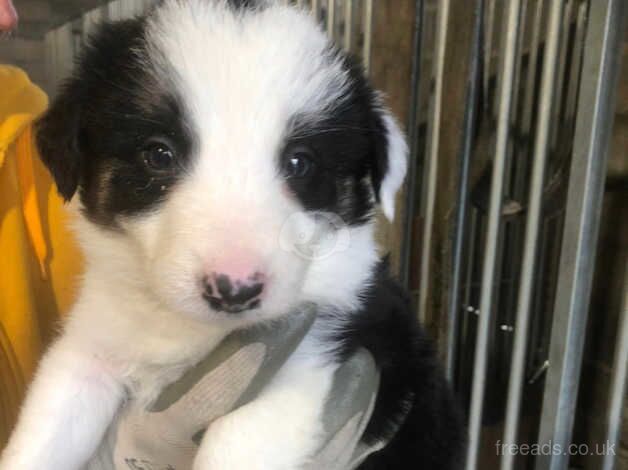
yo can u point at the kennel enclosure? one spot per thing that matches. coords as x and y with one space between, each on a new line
510 109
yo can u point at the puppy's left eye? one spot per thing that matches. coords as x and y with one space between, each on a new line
298 162
158 157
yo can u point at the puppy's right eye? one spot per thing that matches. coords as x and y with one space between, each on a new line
159 157
298 162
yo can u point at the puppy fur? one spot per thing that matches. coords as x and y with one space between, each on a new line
210 136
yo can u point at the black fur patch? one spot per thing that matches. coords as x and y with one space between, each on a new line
93 135
350 147
415 405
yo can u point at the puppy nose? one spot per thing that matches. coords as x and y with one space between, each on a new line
233 295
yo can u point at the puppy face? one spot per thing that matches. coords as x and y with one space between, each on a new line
229 154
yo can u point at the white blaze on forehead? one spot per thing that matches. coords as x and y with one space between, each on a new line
246 71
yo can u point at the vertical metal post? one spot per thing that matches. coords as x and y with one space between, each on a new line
468 275
552 45
492 237
518 64
535 43
462 199
576 63
348 32
316 9
115 10
368 34
584 198
488 47
331 18
431 167
618 381
561 78
413 138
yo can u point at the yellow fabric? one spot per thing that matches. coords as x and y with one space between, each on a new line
39 261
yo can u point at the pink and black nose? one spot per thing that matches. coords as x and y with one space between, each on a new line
232 295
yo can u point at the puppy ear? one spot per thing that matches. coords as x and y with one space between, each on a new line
391 162
58 140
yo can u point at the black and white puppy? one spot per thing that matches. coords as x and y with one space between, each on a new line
202 142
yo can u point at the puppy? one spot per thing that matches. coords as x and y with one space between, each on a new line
199 144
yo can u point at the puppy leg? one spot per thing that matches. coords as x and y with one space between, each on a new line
67 411
279 430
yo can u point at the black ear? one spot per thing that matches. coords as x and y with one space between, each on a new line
58 135
61 133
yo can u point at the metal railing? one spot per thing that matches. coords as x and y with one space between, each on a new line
524 231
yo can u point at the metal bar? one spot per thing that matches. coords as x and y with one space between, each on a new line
417 55
584 198
471 258
331 18
535 354
618 383
431 170
466 303
518 63
316 9
488 49
492 237
514 164
532 63
572 96
115 10
348 32
368 35
561 78
462 200
517 370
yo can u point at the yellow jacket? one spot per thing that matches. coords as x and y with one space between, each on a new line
39 261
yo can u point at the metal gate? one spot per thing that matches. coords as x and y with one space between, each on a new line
522 235
522 224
